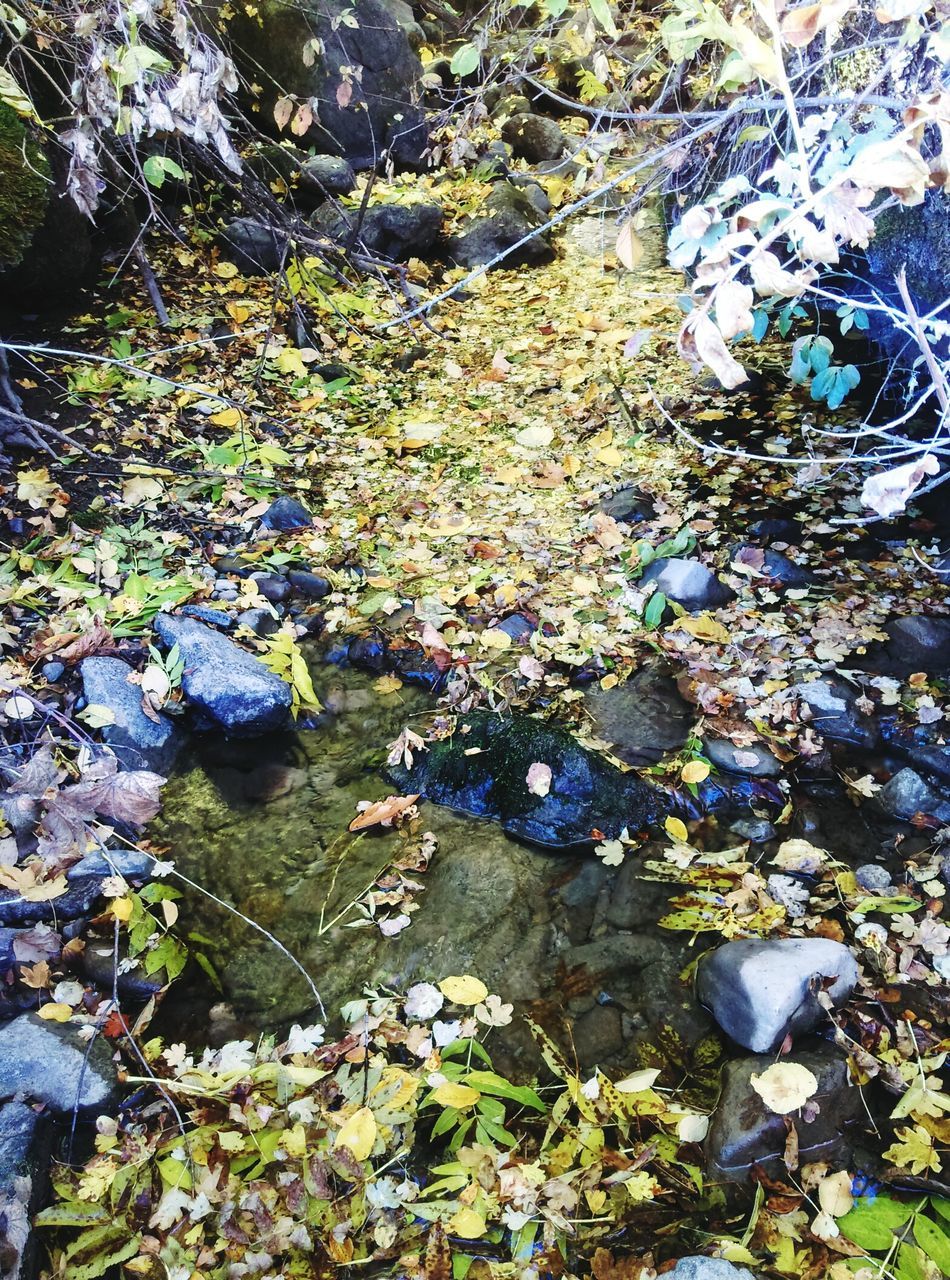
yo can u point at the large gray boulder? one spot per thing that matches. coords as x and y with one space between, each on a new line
26 1145
230 688
49 1062
138 741
760 991
534 138
688 583
369 109
395 231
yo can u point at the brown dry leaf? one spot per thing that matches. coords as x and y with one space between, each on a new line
24 881
36 975
629 246
438 1259
382 812
97 638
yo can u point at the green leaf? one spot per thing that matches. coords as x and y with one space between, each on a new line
601 11
461 1264
489 1082
871 1225
656 607
70 1215
465 60
935 1243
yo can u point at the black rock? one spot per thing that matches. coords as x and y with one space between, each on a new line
26 1149
98 963
688 583
272 587
231 688
534 138
745 1132
138 741
255 249
394 231
627 505
203 613
238 565
722 753
482 770
782 571
510 217
323 176
516 625
644 718
284 513
907 794
261 621
75 904
533 190
924 746
833 712
309 584
915 643
49 1062
777 529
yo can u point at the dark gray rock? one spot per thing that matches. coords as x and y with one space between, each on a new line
75 904
722 753
274 161
510 217
232 689
311 585
53 671
598 1035
907 794
833 712
779 569
700 1268
254 248
925 747
755 830
761 990
627 505
261 621
533 190
323 176
512 104
520 628
26 1148
915 643
272 587
213 617
534 138
48 1062
777 529
381 113
132 864
482 770
284 513
21 814
644 718
98 963
688 583
744 1132
394 231
239 565
138 741
873 878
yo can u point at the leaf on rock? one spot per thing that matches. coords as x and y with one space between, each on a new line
784 1087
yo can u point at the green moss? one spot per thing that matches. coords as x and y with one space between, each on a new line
24 174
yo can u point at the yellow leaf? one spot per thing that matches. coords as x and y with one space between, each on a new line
294 1141
358 1133
695 771
596 1199
140 489
122 909
495 638
455 1095
387 684
464 989
226 418
610 457
237 311
55 1012
703 627
468 1224
676 828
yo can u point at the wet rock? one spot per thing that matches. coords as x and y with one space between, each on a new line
323 176
75 904
627 505
284 513
688 583
394 231
873 878
924 746
309 584
26 1148
374 651
908 794
138 741
644 718
272 587
534 138
131 864
254 248
482 770
213 617
520 628
261 621
239 565
229 687
53 672
48 1062
760 991
755 830
98 963
700 1268
598 1035
744 1132
770 564
777 529
510 217
727 756
834 713
915 643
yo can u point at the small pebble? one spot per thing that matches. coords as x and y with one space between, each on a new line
873 878
53 671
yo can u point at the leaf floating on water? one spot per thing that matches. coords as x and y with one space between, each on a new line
464 989
676 828
538 779
382 812
695 771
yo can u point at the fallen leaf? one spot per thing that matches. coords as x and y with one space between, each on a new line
358 1133
539 779
784 1087
463 989
382 812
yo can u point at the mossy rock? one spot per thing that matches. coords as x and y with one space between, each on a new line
24 187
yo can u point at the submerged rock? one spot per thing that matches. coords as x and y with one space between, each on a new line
231 688
760 991
283 513
833 711
908 794
754 761
914 643
745 1132
47 1061
700 1268
482 770
642 719
688 583
138 741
